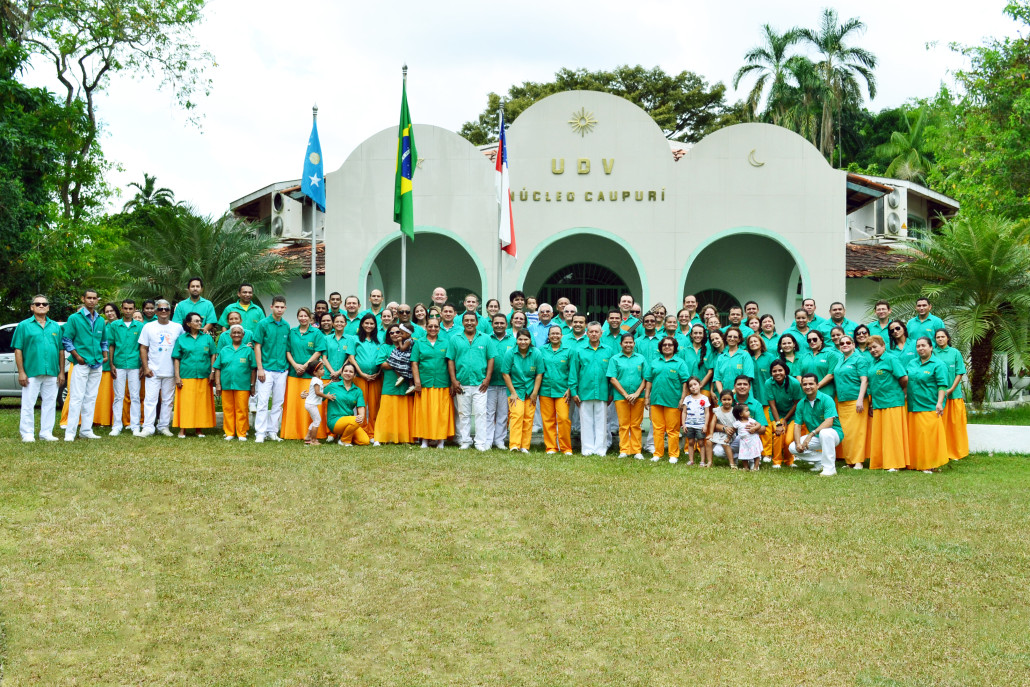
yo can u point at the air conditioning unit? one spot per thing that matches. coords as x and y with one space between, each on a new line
287 221
892 214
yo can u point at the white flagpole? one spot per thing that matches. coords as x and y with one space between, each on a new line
498 261
404 238
311 220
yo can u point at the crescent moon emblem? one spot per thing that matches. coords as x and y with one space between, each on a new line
751 159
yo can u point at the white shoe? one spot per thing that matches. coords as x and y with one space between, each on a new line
793 465
28 439
243 438
181 436
893 470
622 455
166 432
827 473
927 472
766 459
816 469
550 452
777 467
425 444
639 456
568 453
674 460
374 443
343 445
259 439
48 437
146 432
856 466
440 443
500 446
137 432
655 459
88 435
525 450
465 447
228 437
274 437
116 432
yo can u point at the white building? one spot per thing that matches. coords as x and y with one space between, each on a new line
602 205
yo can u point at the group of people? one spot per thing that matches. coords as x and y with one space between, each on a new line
825 388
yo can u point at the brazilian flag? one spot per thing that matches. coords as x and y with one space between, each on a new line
407 158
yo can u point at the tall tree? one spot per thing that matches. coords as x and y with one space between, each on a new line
148 195
976 271
178 244
684 105
980 141
840 67
907 149
803 97
86 42
768 62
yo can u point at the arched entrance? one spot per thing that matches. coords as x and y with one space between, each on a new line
590 267
745 265
720 299
435 258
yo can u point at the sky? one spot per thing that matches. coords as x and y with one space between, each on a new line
275 60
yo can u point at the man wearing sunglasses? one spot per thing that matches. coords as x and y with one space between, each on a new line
156 342
40 359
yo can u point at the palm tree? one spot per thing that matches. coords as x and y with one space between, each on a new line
976 271
224 253
769 62
149 196
804 95
840 66
906 148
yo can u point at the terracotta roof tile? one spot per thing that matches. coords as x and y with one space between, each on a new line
864 260
302 252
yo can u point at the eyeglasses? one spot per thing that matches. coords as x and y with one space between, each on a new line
667 345
163 309
404 312
41 305
845 342
895 329
812 338
634 312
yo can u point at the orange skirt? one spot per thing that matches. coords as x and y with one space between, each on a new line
372 391
67 398
434 414
395 423
855 427
105 394
888 441
295 416
955 429
928 446
194 405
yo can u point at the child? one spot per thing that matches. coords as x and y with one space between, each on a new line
696 411
750 449
313 401
400 361
721 428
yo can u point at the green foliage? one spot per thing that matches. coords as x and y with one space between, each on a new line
976 270
980 144
148 195
769 64
684 106
167 246
86 42
907 149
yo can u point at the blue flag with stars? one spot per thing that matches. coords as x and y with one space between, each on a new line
312 183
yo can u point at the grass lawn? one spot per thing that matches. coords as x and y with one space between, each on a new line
198 562
1020 415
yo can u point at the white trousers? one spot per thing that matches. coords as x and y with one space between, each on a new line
593 427
822 448
165 388
497 415
121 378
274 387
83 385
471 405
47 387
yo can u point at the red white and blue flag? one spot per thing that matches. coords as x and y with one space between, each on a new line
506 229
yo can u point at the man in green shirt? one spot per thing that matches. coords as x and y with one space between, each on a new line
123 349
817 429
470 364
878 327
198 304
588 384
351 306
39 356
271 341
497 394
250 312
83 339
837 319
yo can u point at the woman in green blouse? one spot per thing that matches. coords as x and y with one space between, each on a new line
192 357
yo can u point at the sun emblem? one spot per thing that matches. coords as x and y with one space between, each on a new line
583 122
314 158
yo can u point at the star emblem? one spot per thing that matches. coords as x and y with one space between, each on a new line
315 181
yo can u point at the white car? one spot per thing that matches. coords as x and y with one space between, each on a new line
9 371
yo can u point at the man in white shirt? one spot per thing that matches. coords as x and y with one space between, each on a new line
156 342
